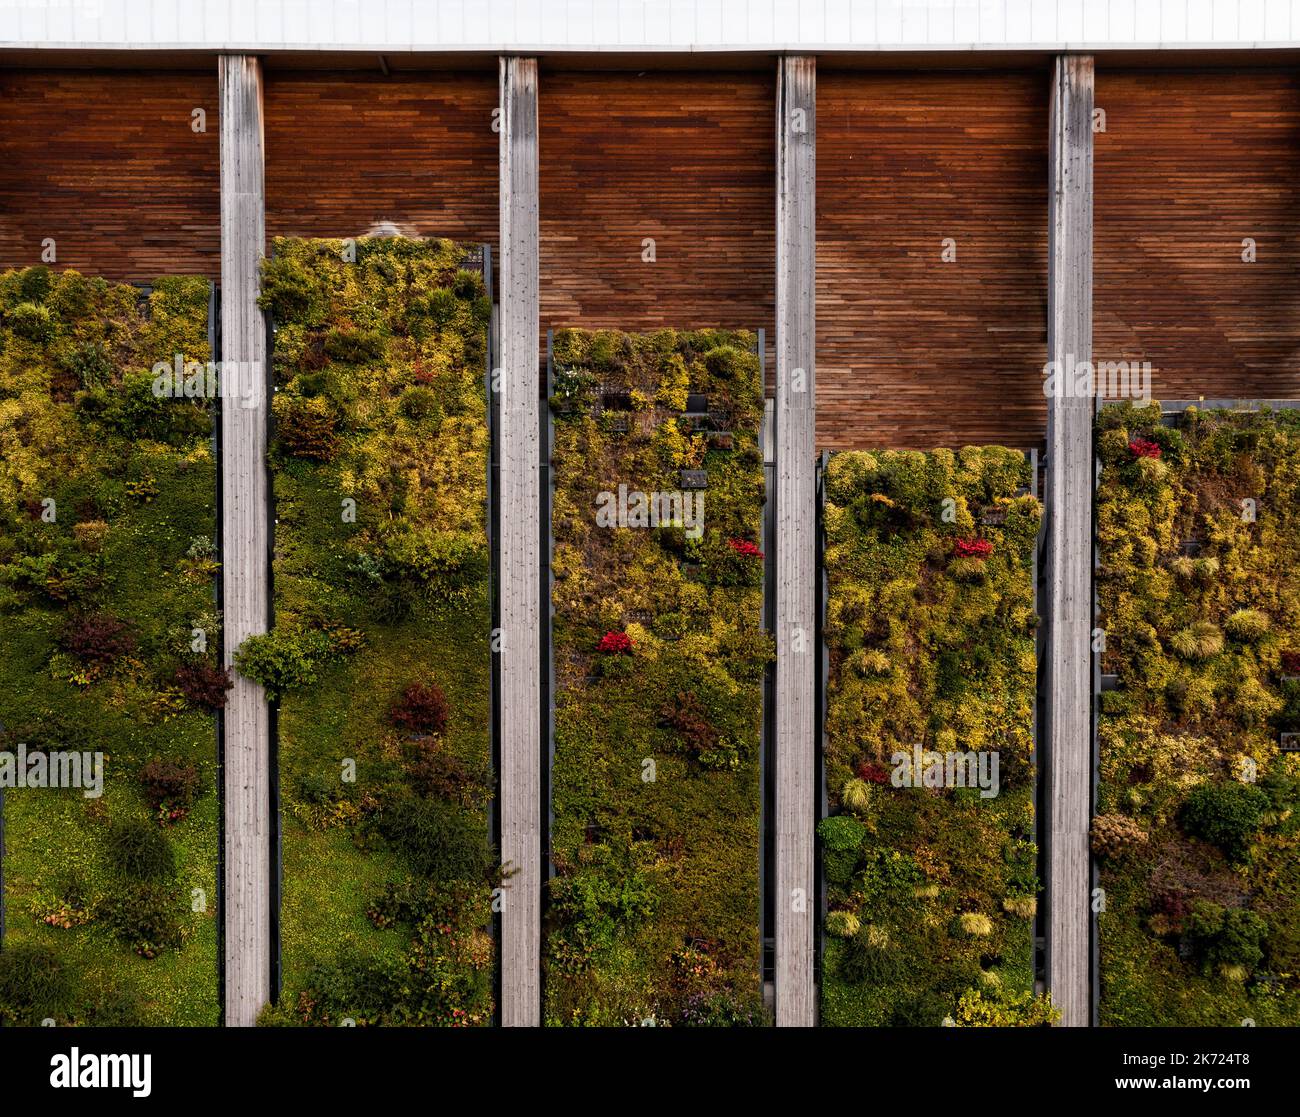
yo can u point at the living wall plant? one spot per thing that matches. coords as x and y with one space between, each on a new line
929 849
1197 832
660 655
110 644
380 654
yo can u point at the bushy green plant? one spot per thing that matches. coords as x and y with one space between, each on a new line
35 985
842 837
1247 625
144 915
442 841
1225 937
354 347
139 850
1227 815
998 1009
283 659
32 322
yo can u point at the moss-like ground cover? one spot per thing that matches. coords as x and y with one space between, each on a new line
1197 834
110 639
660 656
380 653
930 624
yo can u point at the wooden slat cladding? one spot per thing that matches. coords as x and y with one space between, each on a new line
1191 163
347 151
913 352
109 166
686 159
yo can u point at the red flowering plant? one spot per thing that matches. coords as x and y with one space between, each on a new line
1144 448
744 548
973 548
615 643
873 773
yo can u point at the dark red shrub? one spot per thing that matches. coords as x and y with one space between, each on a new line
1144 448
686 715
873 773
1291 663
204 685
973 548
420 709
1175 905
615 643
744 548
97 638
170 787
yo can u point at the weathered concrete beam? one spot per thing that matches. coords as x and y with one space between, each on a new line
796 559
245 530
520 559
1069 556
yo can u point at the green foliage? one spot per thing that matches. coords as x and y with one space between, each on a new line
1226 937
442 842
103 485
143 915
31 321
1200 927
842 837
354 347
1247 625
930 627
283 659
380 654
1227 815
35 985
593 911
998 1009
139 850
655 899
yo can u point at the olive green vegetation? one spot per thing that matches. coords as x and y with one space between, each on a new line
380 653
931 890
1197 833
107 567
654 904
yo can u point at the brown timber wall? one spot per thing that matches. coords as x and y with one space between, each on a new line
346 151
1191 163
685 158
108 165
913 352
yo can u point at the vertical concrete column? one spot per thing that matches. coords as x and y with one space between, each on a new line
521 604
1069 540
796 556
245 572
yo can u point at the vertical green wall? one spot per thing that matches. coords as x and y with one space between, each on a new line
110 637
931 888
380 652
660 656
